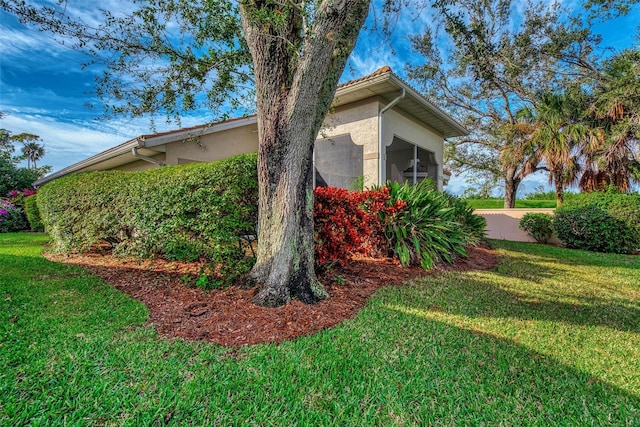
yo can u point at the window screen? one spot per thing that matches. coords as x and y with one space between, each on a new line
338 162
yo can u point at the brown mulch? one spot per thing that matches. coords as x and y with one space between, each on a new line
227 316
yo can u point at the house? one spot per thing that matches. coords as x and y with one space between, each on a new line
379 129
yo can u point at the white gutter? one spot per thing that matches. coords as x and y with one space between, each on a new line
381 148
100 157
134 152
446 118
368 83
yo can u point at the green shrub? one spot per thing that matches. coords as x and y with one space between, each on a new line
600 221
537 225
425 231
180 212
11 217
594 229
33 214
623 205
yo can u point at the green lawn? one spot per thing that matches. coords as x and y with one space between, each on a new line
550 337
499 203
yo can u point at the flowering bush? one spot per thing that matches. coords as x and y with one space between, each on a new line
16 197
11 217
351 222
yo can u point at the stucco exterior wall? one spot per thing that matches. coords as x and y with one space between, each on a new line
214 146
359 120
398 125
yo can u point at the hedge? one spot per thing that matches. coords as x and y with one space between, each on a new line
181 212
600 221
33 214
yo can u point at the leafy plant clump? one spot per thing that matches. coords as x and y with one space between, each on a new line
417 224
537 225
348 222
425 231
600 221
474 226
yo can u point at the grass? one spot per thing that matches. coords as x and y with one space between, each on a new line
520 203
550 337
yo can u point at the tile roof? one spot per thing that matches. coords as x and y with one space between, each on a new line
380 71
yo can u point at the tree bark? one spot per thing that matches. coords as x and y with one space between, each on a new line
296 73
557 180
511 183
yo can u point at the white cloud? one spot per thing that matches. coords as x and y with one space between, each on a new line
366 62
16 42
65 143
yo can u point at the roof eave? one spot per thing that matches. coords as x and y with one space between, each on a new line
431 106
146 141
149 141
348 88
83 164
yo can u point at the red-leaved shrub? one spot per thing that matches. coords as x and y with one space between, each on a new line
351 222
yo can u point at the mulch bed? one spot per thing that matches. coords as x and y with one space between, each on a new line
227 316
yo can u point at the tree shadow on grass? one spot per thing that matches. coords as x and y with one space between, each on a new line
470 377
577 257
530 285
487 294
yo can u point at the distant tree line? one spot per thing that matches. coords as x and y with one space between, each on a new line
12 176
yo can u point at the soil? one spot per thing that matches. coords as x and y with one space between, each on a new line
227 316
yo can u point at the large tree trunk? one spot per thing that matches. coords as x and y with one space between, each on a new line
285 258
297 68
511 183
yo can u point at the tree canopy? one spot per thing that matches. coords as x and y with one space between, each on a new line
485 65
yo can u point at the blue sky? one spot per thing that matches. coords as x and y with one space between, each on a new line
44 89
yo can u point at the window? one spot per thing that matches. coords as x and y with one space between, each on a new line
408 162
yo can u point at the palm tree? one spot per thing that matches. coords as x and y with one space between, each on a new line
557 138
32 151
615 112
517 158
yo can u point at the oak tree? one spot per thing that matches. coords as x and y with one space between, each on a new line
173 56
485 63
